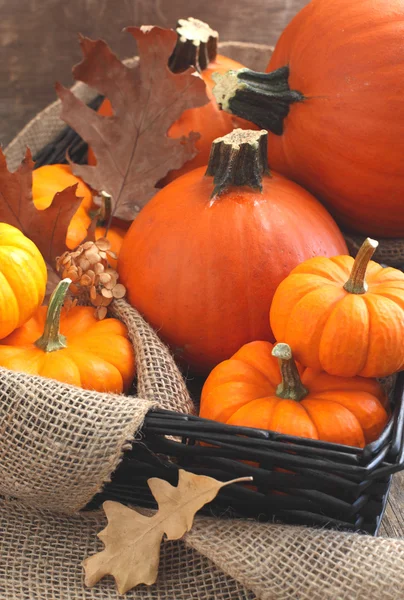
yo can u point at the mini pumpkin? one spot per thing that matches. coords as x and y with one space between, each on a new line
72 346
196 46
261 386
23 279
343 316
51 179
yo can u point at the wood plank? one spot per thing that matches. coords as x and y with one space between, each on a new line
393 521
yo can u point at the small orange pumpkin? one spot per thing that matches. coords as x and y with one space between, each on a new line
196 46
336 321
50 179
73 347
260 386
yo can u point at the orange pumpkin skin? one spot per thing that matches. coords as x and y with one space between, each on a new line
345 141
242 391
50 179
98 355
207 120
342 333
203 271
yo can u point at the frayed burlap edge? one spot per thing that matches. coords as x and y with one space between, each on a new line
59 443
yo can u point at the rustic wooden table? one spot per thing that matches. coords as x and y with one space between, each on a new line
38 42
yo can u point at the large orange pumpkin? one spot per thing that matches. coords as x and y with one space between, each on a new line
196 46
203 258
339 66
73 347
252 390
337 320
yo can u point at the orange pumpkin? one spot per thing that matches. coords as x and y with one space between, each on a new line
343 136
261 386
72 347
336 321
196 46
50 179
203 259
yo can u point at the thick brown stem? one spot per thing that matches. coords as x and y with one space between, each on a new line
196 46
291 387
263 98
51 339
238 158
356 283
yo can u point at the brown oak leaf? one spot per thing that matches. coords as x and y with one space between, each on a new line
132 541
46 228
132 148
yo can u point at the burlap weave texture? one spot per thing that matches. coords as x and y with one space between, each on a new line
59 443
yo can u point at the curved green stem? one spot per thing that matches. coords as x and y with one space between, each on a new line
356 283
51 339
291 387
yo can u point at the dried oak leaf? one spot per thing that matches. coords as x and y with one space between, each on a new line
46 228
132 149
132 541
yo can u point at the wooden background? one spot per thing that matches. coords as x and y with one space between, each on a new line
38 41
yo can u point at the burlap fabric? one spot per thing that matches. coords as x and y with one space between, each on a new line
41 557
59 444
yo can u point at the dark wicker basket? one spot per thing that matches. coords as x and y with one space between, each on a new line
295 480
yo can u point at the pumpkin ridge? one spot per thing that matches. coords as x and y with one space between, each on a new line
84 356
31 277
314 415
319 329
372 328
323 340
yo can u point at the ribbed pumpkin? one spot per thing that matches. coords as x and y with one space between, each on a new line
196 46
23 279
50 179
343 316
73 347
339 66
203 258
260 386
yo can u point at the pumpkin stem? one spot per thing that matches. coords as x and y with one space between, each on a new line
238 158
51 339
356 283
291 387
263 98
196 46
105 213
